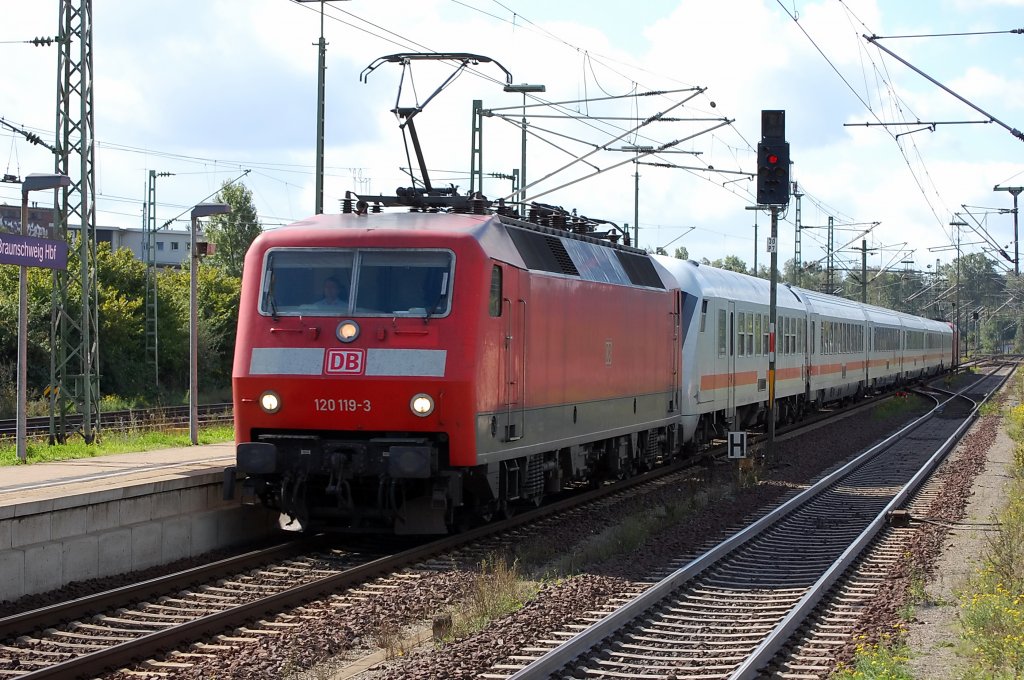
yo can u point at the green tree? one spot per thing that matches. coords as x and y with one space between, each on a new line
231 234
730 263
217 301
681 253
122 322
812 274
38 305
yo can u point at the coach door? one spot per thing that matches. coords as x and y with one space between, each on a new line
730 358
513 378
811 323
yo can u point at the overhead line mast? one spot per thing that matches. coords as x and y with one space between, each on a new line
74 339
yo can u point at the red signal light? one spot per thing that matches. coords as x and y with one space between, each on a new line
773 159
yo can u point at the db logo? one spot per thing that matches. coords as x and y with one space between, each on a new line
344 362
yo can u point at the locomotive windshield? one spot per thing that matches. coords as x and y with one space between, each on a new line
356 282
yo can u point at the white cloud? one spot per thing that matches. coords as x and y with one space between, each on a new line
204 89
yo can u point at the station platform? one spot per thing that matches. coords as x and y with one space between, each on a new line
20 484
75 520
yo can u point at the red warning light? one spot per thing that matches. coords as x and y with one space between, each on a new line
773 159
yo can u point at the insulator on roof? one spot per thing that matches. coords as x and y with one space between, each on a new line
477 204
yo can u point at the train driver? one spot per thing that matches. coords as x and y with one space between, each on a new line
333 297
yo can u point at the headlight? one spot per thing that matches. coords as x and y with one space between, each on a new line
422 405
347 331
270 402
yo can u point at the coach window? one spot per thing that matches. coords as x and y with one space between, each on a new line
757 332
722 333
741 316
495 300
765 332
750 334
703 314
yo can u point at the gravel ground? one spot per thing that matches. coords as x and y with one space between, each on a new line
934 632
798 461
973 490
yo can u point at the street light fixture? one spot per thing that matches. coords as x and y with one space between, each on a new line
34 182
1014 191
320 88
201 210
524 88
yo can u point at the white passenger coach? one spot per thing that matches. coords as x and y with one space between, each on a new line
827 348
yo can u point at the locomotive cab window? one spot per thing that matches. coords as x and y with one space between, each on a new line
342 282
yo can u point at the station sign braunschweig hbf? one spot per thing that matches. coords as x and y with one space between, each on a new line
40 248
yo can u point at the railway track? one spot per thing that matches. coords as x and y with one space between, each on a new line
159 417
115 629
733 610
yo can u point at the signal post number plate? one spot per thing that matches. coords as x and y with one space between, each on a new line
342 405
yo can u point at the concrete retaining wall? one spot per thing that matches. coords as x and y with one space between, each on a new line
47 544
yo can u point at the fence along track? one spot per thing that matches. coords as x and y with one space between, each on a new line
127 420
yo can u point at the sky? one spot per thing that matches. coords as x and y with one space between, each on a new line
222 90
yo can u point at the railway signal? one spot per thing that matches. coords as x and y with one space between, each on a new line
773 173
773 160
772 191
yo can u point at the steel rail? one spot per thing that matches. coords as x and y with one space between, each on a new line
576 646
53 615
764 653
154 643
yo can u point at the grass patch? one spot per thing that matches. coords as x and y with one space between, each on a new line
1015 428
992 604
990 408
40 451
497 591
882 661
898 405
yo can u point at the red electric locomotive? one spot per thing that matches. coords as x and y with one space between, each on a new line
410 371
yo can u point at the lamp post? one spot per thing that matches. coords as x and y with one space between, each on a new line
34 182
320 90
636 188
524 88
956 291
201 210
1015 191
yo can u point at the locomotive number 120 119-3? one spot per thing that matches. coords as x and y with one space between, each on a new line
342 405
